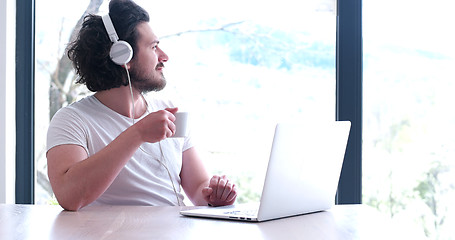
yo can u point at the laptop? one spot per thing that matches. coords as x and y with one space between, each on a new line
302 174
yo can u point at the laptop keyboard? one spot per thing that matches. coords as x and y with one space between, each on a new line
245 212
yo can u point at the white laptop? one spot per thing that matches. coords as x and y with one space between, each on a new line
302 174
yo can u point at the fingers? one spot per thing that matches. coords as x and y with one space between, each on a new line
158 125
224 188
232 196
218 186
172 110
214 186
206 192
168 122
223 192
227 191
170 129
171 126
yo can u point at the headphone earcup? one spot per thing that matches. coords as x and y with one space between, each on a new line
121 52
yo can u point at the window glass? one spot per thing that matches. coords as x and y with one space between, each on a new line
408 146
237 71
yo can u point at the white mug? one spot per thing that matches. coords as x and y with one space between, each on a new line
181 124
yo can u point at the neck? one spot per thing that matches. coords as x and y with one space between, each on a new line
119 100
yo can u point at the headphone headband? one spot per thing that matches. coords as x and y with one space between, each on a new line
110 28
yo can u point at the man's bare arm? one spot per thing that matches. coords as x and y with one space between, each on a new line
77 180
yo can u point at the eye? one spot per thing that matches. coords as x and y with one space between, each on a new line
155 45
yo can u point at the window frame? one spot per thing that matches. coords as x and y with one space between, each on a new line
349 72
348 98
25 82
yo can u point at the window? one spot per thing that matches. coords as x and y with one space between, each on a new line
235 70
408 147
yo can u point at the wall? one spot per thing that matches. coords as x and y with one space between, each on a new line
7 100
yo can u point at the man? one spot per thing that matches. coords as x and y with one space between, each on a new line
96 155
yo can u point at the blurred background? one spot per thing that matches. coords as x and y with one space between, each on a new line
241 66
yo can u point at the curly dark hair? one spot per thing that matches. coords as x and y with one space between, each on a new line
90 51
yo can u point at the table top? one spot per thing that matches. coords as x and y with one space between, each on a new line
146 222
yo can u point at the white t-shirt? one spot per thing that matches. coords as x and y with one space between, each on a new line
143 180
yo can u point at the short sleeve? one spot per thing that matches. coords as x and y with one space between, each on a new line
66 127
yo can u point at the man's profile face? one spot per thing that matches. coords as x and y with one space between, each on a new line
147 65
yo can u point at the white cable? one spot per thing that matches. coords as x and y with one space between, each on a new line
168 172
133 116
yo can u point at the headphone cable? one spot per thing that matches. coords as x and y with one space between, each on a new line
159 143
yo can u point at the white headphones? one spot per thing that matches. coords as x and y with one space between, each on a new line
121 51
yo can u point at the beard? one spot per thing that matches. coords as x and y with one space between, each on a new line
146 81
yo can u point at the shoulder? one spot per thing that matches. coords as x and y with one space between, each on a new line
75 113
69 109
82 106
67 126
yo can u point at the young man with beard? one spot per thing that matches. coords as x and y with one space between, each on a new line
96 155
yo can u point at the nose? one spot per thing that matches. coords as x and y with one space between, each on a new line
162 57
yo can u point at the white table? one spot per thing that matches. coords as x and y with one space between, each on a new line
139 222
